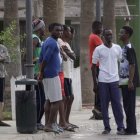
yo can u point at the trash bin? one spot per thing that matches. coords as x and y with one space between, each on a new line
26 107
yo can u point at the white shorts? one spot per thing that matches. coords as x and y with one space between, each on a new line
52 88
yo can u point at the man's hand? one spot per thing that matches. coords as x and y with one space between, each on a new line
40 76
130 85
95 88
63 54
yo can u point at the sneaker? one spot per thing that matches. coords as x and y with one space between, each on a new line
106 131
121 132
130 132
4 124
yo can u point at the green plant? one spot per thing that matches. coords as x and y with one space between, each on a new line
11 41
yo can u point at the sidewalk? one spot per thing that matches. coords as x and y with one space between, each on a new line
86 129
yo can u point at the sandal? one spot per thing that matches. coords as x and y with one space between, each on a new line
49 129
69 128
73 125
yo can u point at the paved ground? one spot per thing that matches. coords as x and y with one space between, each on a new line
89 129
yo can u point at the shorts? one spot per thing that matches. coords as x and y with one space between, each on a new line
52 88
68 87
61 76
2 87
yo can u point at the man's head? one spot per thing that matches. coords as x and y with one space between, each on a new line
125 33
56 30
38 27
107 35
72 32
67 32
97 27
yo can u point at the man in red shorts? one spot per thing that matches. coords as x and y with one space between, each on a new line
94 41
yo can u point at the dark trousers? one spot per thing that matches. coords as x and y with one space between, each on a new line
2 87
40 101
129 103
110 92
97 102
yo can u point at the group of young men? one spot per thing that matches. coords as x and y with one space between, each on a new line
113 68
114 71
53 61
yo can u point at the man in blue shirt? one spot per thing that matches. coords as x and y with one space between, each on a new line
50 62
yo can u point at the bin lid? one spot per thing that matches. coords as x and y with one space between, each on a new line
26 81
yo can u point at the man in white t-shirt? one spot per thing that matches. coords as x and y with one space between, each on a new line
68 33
108 55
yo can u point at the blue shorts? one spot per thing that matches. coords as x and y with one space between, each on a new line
2 86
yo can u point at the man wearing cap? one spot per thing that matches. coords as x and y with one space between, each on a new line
38 33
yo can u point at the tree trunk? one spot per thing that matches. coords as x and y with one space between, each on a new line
87 17
10 15
109 16
14 68
53 11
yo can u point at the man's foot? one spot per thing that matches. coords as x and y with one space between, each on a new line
52 128
121 132
59 128
4 124
73 125
97 114
106 131
69 128
130 132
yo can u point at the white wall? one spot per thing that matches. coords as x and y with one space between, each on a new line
76 83
13 89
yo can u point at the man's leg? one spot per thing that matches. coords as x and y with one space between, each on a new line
116 104
105 98
69 105
47 107
53 112
1 109
129 103
69 97
2 86
97 103
40 98
62 121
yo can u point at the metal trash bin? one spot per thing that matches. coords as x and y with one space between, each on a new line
26 116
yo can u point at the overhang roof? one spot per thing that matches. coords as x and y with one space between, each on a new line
72 8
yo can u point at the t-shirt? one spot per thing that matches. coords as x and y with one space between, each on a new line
36 54
128 58
94 41
108 59
50 52
61 43
67 65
